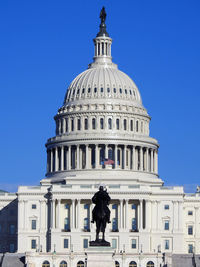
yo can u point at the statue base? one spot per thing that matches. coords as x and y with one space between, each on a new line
100 257
99 243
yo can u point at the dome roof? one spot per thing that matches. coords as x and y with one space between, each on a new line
101 82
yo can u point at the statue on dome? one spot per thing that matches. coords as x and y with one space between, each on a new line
100 215
103 15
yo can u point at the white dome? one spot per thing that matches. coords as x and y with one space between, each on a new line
101 82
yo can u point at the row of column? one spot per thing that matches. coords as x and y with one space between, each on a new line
93 156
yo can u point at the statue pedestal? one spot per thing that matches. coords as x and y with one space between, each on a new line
100 257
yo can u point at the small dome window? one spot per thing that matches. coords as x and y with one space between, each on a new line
120 90
125 124
74 92
101 89
89 89
95 89
101 123
114 90
108 90
83 91
86 124
109 123
126 91
130 92
78 92
93 123
134 93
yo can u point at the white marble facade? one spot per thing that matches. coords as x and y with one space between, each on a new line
102 137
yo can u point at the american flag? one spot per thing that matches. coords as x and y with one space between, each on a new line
108 161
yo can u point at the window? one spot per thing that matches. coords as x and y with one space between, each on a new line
85 243
166 244
80 264
117 264
114 90
125 126
108 90
79 124
190 230
86 124
12 229
109 123
190 248
33 224
66 243
166 207
114 243
166 225
101 89
114 225
93 123
120 90
101 123
66 125
89 89
134 224
34 206
12 248
131 125
190 212
137 126
45 264
118 157
126 91
132 264
66 206
33 244
150 264
83 91
66 224
95 89
130 92
133 243
86 224
72 125
117 124
63 264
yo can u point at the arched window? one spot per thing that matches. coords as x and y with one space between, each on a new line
136 126
83 90
101 123
63 264
79 124
108 90
93 123
117 124
89 89
45 264
109 123
131 126
125 124
132 264
72 125
120 90
86 124
95 89
117 264
141 126
150 264
114 90
80 264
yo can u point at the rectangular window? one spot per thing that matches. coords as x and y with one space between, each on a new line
79 124
117 124
101 123
166 207
72 125
190 230
66 243
33 224
33 244
166 225
190 248
114 243
133 243
12 229
131 125
33 206
190 212
166 244
85 243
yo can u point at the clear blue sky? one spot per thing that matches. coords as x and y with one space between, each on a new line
45 44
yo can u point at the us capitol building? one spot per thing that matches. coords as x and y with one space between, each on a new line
102 138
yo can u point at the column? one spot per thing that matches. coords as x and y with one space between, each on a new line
78 214
69 157
20 214
121 213
141 159
126 214
148 215
106 151
51 167
56 158
87 155
25 214
125 148
138 216
81 158
180 216
154 215
151 160
53 202
97 156
115 156
175 215
62 158
158 215
77 157
73 214
133 158
58 214
141 215
156 161
147 159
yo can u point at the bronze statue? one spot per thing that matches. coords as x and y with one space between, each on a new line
102 31
100 215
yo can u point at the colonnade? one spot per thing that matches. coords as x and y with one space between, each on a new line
89 156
